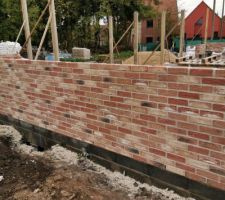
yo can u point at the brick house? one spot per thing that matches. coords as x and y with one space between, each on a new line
150 28
195 23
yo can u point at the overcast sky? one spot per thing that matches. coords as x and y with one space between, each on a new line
189 5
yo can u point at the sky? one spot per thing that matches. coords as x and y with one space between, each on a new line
189 5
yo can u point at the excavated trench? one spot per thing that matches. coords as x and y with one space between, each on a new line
46 174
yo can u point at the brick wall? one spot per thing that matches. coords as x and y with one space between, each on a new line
169 117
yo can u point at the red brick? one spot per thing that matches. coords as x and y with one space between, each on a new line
198 135
198 150
157 152
141 68
217 155
185 167
200 104
219 107
188 111
148 76
175 157
139 122
124 94
124 81
201 88
207 174
117 99
220 73
110 104
151 118
178 86
192 127
167 78
166 121
188 95
210 145
210 114
219 140
132 75
201 72
148 130
213 81
123 106
219 124
159 99
78 71
176 116
169 93
157 70
178 102
210 130
140 96
177 130
125 130
187 140
178 71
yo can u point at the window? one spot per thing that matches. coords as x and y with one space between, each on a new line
216 35
149 39
199 22
149 23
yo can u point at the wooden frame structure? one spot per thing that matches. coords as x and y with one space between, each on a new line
28 33
113 47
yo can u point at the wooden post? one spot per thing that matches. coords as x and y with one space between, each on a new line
182 33
43 37
213 19
206 30
222 21
27 28
136 37
163 34
55 42
111 39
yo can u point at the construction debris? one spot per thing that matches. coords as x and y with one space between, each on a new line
81 53
9 48
154 60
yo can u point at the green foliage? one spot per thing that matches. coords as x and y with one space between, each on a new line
77 21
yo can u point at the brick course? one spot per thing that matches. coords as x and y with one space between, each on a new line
158 115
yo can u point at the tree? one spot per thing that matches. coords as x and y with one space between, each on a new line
77 21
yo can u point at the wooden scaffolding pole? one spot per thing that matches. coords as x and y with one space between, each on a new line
163 34
111 40
213 19
206 31
55 42
36 24
43 37
222 21
182 33
27 28
136 37
158 46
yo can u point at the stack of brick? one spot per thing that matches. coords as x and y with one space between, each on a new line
81 53
169 117
213 47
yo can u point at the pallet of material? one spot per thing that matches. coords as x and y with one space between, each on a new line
211 59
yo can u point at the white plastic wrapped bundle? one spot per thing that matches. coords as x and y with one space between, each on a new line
9 48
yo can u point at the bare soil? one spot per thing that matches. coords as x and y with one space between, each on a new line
34 178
